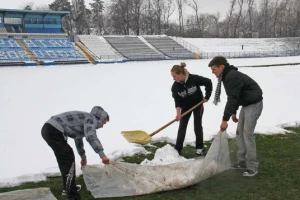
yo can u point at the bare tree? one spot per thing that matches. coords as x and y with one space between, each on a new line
241 3
168 10
137 15
120 16
250 11
97 16
195 6
296 31
275 18
215 18
272 18
289 22
148 18
229 17
180 5
265 16
158 10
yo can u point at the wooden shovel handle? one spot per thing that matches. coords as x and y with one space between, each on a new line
174 120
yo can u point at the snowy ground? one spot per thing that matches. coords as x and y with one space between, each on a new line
137 96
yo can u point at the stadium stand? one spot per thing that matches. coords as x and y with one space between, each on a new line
290 43
3 30
133 48
246 47
236 45
54 49
12 52
35 37
100 48
170 47
9 29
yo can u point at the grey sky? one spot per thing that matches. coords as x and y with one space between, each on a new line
207 6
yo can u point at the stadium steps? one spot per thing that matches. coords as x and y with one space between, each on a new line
85 52
28 52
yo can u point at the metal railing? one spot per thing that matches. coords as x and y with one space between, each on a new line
187 45
250 54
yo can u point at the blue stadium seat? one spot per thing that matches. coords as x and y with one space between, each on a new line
11 51
53 49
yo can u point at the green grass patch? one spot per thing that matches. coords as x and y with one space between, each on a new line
278 177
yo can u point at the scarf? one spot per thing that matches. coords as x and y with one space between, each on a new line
218 91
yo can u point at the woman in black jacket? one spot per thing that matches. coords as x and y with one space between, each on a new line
186 92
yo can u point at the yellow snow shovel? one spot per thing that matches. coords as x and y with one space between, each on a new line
141 137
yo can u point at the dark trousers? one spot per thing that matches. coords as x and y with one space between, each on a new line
198 113
64 155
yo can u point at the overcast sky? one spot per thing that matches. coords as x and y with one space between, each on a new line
207 6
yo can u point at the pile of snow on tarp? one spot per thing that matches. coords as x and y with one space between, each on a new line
124 179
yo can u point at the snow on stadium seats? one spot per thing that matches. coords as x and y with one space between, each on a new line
170 47
134 48
11 51
100 48
53 49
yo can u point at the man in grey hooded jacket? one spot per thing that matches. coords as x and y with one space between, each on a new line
76 125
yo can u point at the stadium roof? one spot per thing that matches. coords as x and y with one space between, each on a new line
44 12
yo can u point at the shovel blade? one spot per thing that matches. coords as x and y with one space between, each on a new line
137 136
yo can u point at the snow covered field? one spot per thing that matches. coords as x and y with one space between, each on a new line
137 95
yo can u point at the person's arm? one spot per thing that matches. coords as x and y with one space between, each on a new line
92 139
176 97
206 82
234 87
178 114
178 103
233 90
80 148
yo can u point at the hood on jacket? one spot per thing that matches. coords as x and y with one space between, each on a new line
99 113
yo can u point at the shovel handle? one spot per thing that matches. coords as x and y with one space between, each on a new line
174 120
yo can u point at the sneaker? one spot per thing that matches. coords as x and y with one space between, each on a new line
250 173
64 193
200 152
73 197
239 165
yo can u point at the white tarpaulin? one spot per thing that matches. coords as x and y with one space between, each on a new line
28 194
124 179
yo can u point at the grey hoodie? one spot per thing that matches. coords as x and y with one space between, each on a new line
78 124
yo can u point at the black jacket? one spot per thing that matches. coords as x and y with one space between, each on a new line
188 94
241 90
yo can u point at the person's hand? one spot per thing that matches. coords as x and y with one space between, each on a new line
105 160
204 100
83 163
224 126
234 119
178 117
